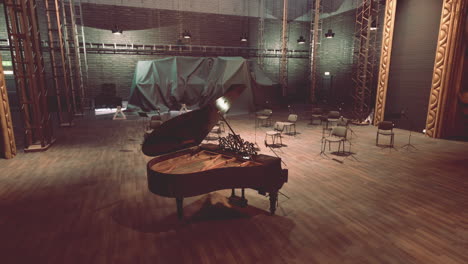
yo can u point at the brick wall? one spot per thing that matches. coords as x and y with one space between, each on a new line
157 26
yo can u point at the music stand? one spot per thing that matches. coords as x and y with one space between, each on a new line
408 145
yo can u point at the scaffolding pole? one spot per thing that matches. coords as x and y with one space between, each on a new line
365 55
261 36
58 64
28 66
77 67
81 36
70 77
315 37
284 51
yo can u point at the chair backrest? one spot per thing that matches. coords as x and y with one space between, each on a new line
279 126
342 121
317 111
339 131
385 125
334 114
292 118
267 112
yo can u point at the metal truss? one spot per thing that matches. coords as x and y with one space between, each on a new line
28 65
315 41
69 63
76 56
261 34
60 74
365 56
283 74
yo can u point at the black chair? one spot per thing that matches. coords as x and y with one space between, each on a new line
385 128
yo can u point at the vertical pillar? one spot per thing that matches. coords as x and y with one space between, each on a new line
446 79
28 66
7 137
385 56
58 64
365 57
314 44
284 51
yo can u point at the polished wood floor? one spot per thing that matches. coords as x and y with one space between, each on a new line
85 200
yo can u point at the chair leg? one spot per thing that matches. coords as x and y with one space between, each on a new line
377 140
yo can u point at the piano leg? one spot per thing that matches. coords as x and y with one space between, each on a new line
273 199
180 207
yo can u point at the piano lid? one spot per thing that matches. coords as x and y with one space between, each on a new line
189 129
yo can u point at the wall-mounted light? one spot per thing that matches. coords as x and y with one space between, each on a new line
186 34
116 30
8 72
301 40
326 73
373 25
329 34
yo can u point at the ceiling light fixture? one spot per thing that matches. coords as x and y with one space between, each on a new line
329 34
301 40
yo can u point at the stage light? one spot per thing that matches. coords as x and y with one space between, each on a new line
326 73
8 72
329 34
116 30
301 40
222 104
373 26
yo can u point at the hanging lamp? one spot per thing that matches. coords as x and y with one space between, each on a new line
301 40
329 34
186 34
116 30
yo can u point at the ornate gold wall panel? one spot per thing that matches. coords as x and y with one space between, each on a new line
385 57
7 138
447 54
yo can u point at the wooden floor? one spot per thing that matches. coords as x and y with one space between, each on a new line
86 200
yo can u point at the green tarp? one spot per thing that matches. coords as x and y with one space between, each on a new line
167 83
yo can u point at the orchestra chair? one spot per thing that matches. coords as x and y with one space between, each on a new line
338 134
385 128
333 117
291 123
264 117
316 114
275 135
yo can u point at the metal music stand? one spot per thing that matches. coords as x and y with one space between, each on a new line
408 145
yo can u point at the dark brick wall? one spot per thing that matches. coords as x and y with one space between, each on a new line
412 62
148 26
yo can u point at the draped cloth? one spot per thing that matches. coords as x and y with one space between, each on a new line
166 84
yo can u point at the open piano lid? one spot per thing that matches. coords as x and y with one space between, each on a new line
189 129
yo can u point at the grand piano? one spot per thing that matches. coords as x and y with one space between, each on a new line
183 167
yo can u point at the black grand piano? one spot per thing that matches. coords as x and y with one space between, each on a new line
184 168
